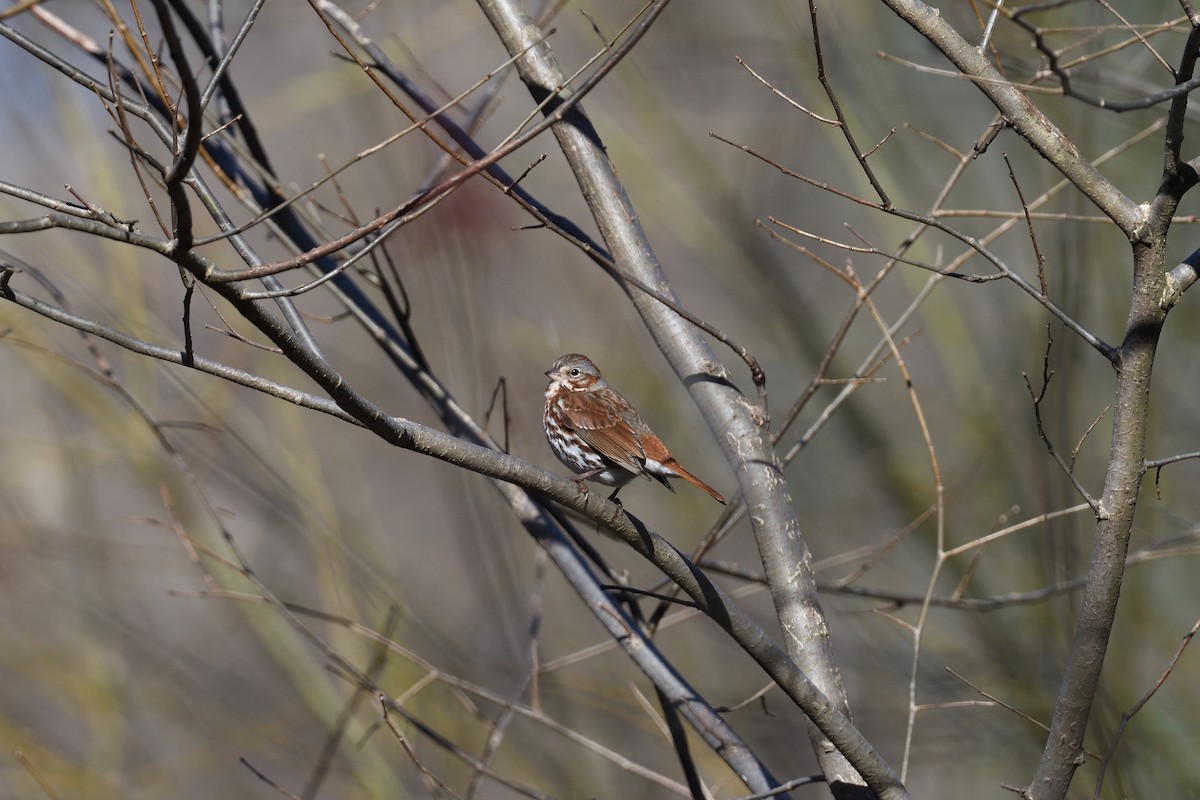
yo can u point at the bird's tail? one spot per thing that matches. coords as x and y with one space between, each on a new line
694 481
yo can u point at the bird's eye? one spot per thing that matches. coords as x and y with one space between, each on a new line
574 372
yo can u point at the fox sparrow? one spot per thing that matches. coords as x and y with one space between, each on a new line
600 436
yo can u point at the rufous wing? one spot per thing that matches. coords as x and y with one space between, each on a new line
605 428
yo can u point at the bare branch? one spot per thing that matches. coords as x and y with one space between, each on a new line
1128 715
1042 134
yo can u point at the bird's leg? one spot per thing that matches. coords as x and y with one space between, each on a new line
613 498
583 476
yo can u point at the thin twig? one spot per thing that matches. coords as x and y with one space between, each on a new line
1128 715
1037 251
1037 398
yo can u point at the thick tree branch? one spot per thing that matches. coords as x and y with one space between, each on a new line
737 424
516 479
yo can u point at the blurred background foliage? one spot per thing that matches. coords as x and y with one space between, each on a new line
118 679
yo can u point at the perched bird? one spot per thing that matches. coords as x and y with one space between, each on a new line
600 436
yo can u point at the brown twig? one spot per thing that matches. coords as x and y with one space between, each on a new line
1127 716
1037 398
1037 251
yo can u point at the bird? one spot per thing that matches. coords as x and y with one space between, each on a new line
600 435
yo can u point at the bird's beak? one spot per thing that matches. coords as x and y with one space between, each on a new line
549 373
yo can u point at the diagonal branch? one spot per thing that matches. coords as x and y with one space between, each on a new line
520 482
740 431
1019 111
